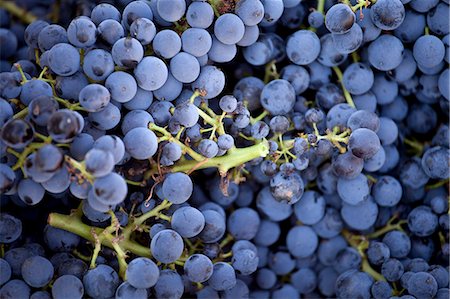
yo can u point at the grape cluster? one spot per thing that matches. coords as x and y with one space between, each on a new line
224 149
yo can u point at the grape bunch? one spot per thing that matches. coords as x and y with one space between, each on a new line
224 149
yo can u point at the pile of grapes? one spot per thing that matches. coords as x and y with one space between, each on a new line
224 149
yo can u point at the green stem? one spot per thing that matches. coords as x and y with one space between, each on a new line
437 184
389 227
196 156
80 167
97 248
234 158
165 204
347 95
259 117
18 12
321 6
73 224
121 257
21 114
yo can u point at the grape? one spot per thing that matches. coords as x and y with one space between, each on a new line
392 269
140 143
142 273
208 148
272 208
110 31
99 162
17 133
188 222
353 284
127 52
141 101
339 18
121 86
33 89
229 29
15 289
82 32
286 291
266 278
70 87
143 30
273 9
11 228
171 11
177 187
211 80
30 192
40 109
169 285
399 243
98 64
326 281
423 7
166 43
260 52
350 41
110 189
104 11
421 118
40 295
94 97
360 216
107 118
198 268
151 73
251 12
5 272
223 277
412 174
184 67
422 221
353 191
310 209
428 51
303 47
199 14
167 246
113 144
358 78
64 59
330 225
278 97
101 282
301 241
387 15
379 58
72 266
268 233
387 191
37 271
297 76
135 10
434 162
436 19
364 143
51 35
381 289
236 225
221 52
32 31
422 285
214 226
411 28
125 290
